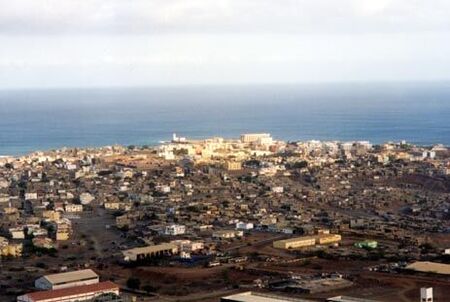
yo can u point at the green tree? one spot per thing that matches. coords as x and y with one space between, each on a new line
133 283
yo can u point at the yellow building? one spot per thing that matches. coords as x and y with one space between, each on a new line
10 210
62 235
328 238
294 243
112 205
10 249
305 241
233 165
51 215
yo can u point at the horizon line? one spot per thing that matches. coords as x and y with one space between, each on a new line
249 84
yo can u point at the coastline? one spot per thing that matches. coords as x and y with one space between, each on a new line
154 146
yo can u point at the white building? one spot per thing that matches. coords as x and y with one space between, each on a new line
70 166
227 234
429 154
277 189
244 226
73 208
426 294
174 229
163 189
188 245
177 139
67 279
86 198
31 196
17 233
255 137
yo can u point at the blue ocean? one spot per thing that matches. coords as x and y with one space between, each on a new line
48 119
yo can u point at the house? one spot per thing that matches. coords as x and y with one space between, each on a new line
277 189
51 215
63 230
244 226
73 208
43 243
188 245
112 205
31 196
86 198
8 249
174 229
17 233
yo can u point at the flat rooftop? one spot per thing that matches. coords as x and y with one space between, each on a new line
295 239
430 267
259 297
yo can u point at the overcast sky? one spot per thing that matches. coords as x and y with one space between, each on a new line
73 43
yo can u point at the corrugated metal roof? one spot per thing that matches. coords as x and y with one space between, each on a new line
430 267
149 249
71 291
71 276
261 297
348 299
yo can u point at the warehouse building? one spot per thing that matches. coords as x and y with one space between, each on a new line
148 252
72 294
259 297
429 267
348 299
67 279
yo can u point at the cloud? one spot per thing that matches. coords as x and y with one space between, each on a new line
218 16
373 7
57 43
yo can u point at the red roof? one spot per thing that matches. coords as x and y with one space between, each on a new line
77 290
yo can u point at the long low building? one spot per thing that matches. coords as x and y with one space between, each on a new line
328 238
294 243
148 252
67 279
305 241
71 294
430 267
348 299
259 297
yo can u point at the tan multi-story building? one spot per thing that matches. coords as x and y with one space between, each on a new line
254 137
73 208
51 215
233 165
112 205
10 249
